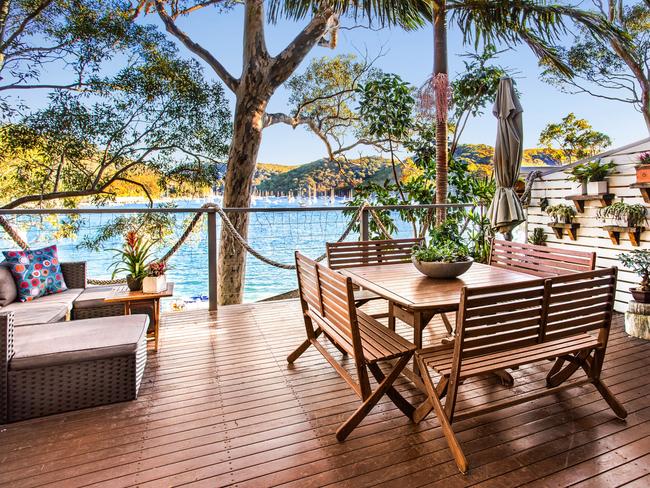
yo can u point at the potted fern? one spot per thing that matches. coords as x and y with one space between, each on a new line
623 214
639 262
561 213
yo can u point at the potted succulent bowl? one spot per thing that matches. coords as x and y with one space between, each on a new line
133 259
643 168
639 262
561 213
441 260
624 215
156 280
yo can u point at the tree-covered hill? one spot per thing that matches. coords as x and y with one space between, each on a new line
324 175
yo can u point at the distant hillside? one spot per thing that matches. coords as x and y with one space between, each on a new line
324 175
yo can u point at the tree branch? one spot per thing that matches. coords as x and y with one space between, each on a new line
23 25
171 27
288 60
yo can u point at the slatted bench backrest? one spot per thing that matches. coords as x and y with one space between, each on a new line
581 302
496 318
503 318
541 261
330 299
369 253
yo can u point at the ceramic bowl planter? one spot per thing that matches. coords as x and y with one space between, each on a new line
154 284
640 295
134 284
440 270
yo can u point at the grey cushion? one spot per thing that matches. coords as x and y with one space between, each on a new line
8 291
46 345
93 296
50 308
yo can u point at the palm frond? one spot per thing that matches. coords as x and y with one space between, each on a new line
408 14
536 23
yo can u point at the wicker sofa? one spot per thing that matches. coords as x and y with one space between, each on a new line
79 301
50 365
52 368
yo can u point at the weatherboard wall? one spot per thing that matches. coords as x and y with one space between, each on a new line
591 235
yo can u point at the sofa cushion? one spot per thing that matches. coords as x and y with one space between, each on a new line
37 272
50 308
93 296
46 345
8 292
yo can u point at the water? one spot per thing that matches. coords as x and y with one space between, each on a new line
276 235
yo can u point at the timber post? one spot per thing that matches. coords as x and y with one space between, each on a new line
364 231
212 260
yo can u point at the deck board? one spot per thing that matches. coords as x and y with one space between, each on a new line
220 406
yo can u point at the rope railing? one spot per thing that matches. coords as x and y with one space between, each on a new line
228 225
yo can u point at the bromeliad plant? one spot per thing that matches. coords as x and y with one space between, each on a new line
134 259
156 268
627 215
561 213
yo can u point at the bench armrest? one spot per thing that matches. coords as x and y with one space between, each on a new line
6 353
74 274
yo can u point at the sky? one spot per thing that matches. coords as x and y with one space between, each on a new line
408 54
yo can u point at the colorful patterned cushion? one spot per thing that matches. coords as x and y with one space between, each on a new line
37 272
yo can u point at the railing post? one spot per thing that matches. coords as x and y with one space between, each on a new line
212 260
365 222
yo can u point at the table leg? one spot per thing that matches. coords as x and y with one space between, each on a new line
391 316
418 326
156 324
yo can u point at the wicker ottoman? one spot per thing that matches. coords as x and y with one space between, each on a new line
53 368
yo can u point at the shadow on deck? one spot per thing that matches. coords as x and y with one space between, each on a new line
219 406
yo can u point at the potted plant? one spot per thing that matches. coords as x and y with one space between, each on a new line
577 175
643 168
133 259
595 174
155 281
537 237
441 259
561 213
623 214
639 262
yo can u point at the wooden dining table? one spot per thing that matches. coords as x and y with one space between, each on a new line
416 299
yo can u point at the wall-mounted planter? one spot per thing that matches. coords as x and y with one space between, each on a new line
597 187
642 173
644 188
605 199
571 230
615 231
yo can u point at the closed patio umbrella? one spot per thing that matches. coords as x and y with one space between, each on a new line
506 212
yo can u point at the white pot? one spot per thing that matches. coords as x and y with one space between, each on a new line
154 284
597 187
582 188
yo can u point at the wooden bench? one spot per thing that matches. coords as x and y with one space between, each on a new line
498 327
342 255
540 261
327 302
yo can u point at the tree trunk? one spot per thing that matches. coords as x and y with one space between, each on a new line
246 140
645 102
440 73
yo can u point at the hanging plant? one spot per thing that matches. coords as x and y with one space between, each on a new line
623 214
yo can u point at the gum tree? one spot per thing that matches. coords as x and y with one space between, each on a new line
261 74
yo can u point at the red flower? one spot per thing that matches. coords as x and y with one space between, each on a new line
131 239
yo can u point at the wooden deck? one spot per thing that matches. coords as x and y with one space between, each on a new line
219 406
